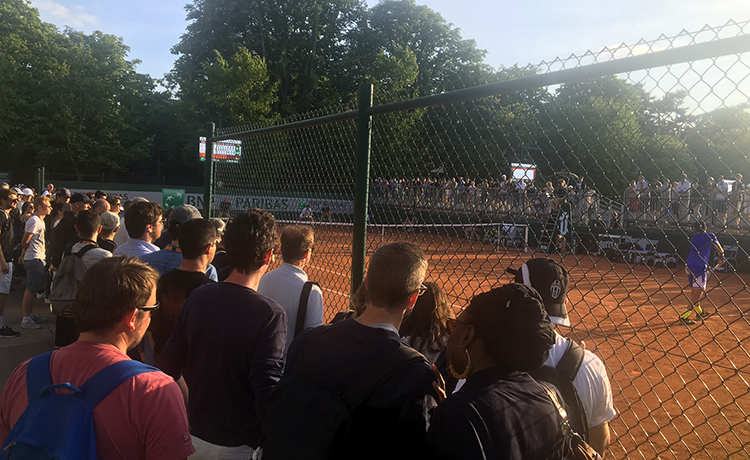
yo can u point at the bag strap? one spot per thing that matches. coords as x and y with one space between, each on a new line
571 360
38 375
85 249
556 401
302 309
111 377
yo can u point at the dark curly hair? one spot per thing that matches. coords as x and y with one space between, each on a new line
248 238
513 325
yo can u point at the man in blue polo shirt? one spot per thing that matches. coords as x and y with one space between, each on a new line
696 267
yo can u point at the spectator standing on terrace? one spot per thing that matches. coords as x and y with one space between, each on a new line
395 416
228 344
696 267
720 204
286 284
683 199
735 200
144 418
33 256
8 213
144 224
591 382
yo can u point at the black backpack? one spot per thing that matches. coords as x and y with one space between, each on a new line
304 420
562 378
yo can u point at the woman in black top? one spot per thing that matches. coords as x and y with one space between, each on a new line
500 412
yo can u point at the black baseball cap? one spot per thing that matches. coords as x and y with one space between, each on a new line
551 280
80 197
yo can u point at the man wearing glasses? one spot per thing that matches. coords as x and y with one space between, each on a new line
8 214
145 416
144 223
358 352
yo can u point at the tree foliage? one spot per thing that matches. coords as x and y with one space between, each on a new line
75 103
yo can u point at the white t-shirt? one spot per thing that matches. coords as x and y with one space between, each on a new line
284 285
591 383
37 249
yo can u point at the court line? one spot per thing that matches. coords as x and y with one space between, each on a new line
335 292
329 271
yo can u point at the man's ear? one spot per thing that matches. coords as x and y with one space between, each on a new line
130 319
412 299
268 258
98 231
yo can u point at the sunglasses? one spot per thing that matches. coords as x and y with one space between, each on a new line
149 307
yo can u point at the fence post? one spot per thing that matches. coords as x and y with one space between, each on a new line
208 175
361 187
40 185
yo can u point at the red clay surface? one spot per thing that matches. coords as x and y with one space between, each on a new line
680 391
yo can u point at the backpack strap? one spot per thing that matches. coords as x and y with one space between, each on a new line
38 376
302 309
111 377
571 360
85 249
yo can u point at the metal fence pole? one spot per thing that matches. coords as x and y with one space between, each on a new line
361 187
208 175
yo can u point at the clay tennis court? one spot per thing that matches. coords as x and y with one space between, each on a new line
680 391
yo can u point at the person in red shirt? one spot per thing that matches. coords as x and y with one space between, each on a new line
145 417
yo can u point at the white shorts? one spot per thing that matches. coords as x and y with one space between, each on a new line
6 280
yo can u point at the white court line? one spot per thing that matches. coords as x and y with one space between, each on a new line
336 292
329 271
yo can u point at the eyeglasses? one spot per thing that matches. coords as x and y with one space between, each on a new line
422 289
149 307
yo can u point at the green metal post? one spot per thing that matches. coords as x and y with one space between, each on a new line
361 187
208 175
40 185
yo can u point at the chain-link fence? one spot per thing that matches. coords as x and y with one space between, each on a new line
604 161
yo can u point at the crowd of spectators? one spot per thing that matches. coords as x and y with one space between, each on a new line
720 203
514 197
246 369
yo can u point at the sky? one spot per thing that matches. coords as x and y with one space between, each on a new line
511 31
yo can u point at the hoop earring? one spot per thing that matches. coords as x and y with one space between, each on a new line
467 369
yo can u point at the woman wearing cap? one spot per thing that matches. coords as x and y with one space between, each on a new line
500 412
